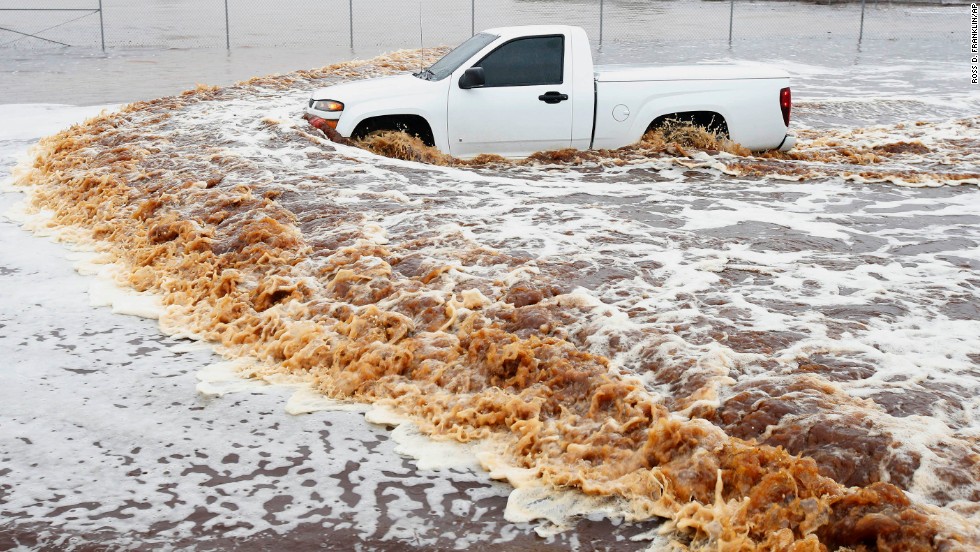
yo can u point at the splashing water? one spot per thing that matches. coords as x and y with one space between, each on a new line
587 313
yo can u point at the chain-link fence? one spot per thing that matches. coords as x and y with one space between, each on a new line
401 23
59 24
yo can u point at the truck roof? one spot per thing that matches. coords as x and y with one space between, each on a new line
531 30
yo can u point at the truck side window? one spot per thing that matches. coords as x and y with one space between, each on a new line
526 62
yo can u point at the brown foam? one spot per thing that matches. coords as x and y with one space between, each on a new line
237 266
671 141
819 154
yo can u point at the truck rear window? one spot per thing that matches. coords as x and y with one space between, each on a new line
526 62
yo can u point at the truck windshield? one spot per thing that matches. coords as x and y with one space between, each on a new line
451 61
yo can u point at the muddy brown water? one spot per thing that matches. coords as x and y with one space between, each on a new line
457 297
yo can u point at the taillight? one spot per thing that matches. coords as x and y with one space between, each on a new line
785 103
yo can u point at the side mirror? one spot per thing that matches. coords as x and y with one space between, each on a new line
474 77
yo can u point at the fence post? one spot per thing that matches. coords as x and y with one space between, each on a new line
731 19
601 10
227 28
472 17
101 26
350 11
861 32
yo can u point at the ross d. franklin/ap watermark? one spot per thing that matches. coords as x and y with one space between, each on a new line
973 42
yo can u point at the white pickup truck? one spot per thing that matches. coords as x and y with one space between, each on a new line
513 91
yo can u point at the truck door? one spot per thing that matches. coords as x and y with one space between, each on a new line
524 105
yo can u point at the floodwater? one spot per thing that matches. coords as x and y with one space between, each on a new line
610 323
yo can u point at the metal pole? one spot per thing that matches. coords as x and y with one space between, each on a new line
227 28
472 17
101 26
731 19
861 32
350 11
601 10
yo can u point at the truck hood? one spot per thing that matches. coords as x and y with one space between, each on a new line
370 89
631 73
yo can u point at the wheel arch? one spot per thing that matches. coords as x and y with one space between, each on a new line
413 124
711 120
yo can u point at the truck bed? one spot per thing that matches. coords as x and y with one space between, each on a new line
641 73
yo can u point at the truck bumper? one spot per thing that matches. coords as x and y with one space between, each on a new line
320 122
788 142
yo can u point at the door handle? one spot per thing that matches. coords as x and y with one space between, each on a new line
553 97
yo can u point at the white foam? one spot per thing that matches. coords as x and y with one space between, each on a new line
23 122
105 291
224 377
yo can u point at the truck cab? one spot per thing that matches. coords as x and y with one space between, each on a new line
524 92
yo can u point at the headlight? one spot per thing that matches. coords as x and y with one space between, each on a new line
326 105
